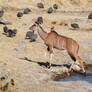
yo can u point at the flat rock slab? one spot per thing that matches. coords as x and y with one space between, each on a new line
2 21
20 47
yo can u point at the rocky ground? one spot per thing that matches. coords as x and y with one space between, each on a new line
24 61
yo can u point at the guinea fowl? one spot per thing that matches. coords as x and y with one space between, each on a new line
55 6
33 38
75 26
26 11
19 14
30 35
5 29
9 32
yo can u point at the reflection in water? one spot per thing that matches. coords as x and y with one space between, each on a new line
77 77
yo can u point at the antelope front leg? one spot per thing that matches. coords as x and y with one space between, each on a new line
46 55
50 49
50 59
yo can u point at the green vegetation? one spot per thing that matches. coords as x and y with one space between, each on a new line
4 85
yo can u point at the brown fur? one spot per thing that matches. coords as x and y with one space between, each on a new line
54 40
52 28
64 24
54 22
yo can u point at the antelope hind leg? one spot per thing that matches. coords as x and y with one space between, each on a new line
50 50
79 59
81 62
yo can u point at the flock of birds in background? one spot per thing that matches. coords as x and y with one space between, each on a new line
30 35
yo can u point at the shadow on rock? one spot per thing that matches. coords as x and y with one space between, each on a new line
45 64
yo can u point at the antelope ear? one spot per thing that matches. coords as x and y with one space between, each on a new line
36 22
52 27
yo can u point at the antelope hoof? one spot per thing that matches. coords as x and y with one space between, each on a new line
69 70
49 67
47 63
84 72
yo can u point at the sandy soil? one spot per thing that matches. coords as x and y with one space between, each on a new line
31 75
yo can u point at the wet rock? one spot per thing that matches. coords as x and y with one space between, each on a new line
90 16
26 11
50 10
76 68
40 5
19 14
40 20
55 6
